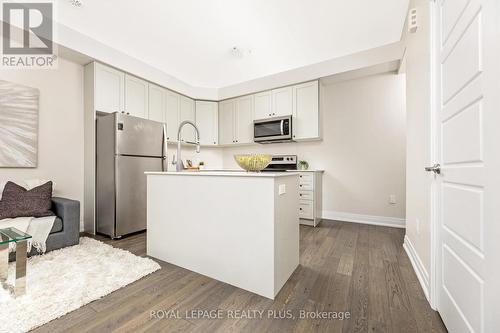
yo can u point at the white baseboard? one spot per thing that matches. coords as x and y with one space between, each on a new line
418 266
385 221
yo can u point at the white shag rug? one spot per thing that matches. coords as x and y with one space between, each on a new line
64 280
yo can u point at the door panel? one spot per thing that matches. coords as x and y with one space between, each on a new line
467 190
207 122
462 286
263 105
306 110
137 136
109 89
172 103
463 61
187 112
451 13
462 136
226 122
458 220
282 102
156 110
136 97
131 192
244 119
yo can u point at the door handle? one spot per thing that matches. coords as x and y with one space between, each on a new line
281 126
436 168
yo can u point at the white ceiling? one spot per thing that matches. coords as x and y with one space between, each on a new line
192 39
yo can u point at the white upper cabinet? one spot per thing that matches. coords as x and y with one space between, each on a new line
136 96
157 109
306 111
172 105
226 122
282 102
207 120
109 89
263 105
243 120
187 112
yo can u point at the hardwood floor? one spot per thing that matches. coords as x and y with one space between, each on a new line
344 267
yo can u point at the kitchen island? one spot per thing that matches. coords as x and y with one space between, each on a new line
237 227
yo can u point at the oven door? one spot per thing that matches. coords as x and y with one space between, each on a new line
273 129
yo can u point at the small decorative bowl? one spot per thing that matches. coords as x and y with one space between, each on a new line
253 162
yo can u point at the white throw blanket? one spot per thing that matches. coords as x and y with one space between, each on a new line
39 228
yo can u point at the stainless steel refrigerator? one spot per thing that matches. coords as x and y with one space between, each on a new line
126 147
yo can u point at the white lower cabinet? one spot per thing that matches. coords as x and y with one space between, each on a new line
310 197
207 120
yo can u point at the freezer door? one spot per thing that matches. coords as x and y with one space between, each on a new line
137 136
131 192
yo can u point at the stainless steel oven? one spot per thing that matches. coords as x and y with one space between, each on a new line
281 163
272 130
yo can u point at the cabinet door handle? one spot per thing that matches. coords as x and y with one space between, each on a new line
300 208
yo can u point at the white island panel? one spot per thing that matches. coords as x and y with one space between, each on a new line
238 229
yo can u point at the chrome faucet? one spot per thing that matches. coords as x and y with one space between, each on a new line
178 161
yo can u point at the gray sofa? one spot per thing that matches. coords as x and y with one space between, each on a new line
66 229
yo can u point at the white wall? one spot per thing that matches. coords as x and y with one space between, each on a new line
363 147
418 99
60 136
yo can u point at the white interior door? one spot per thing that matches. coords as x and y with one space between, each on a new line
468 188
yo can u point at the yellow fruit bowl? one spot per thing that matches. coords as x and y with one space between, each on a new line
253 162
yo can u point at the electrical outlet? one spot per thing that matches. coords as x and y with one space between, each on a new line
392 199
418 226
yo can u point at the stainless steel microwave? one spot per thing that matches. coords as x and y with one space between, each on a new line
272 130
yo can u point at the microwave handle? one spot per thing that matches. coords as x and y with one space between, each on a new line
282 126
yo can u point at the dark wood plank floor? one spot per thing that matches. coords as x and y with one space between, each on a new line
344 267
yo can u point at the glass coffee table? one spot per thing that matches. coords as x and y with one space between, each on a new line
7 236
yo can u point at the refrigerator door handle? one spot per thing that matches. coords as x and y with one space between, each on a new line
164 163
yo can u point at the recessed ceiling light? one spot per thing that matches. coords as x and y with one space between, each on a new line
76 3
239 52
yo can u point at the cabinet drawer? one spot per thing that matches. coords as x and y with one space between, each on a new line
306 177
306 186
305 209
306 195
